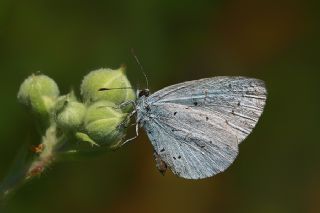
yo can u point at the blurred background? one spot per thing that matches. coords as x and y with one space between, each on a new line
278 169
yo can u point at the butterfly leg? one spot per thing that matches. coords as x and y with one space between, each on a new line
131 139
124 124
124 104
127 103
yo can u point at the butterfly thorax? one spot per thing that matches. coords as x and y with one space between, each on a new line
143 109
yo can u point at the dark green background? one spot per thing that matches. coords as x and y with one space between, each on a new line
278 169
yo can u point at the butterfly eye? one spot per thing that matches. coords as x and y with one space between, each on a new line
144 92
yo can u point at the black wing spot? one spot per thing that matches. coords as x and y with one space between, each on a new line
179 156
202 146
232 112
195 103
174 158
239 103
174 113
207 118
162 150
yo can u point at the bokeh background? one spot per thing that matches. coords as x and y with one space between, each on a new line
278 169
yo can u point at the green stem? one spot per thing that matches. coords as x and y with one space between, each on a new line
16 175
30 164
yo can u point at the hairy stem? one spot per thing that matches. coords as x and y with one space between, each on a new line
30 163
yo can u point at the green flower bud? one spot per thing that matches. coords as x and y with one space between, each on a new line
69 112
107 84
105 124
39 92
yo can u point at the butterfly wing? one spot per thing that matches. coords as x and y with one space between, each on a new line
195 127
191 146
238 100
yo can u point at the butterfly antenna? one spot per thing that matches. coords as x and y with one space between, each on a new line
141 67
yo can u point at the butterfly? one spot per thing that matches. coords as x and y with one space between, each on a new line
195 127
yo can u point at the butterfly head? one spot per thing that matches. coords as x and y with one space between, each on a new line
144 92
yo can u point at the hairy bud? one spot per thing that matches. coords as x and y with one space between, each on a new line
38 93
105 124
69 113
107 84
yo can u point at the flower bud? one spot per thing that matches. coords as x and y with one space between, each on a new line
107 84
38 92
105 124
69 113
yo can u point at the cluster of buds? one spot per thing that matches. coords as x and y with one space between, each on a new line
71 126
96 118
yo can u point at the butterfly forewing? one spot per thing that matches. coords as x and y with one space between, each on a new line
238 100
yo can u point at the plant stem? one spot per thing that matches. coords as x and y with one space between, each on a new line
30 164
